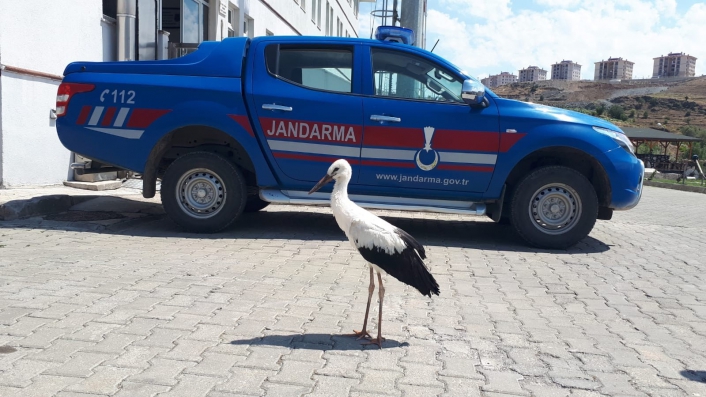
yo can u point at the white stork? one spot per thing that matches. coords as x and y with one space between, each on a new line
387 249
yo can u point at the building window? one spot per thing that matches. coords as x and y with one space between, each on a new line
321 68
110 8
329 19
318 13
232 21
248 27
195 21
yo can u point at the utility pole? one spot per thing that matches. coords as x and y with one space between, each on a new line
413 16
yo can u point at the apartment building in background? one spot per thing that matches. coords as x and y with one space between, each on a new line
566 70
532 73
37 42
613 69
675 64
497 80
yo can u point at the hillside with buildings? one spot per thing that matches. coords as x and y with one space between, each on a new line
667 104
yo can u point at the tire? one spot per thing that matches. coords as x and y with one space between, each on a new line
505 219
217 187
569 203
255 203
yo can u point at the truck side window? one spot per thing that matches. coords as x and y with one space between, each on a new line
317 67
401 75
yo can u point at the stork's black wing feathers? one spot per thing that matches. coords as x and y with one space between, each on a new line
406 266
411 242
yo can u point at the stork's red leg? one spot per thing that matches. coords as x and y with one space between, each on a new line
381 293
364 333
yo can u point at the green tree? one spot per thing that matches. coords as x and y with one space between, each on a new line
694 131
616 112
687 114
632 113
600 109
645 114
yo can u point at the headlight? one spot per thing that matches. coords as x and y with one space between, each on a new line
618 137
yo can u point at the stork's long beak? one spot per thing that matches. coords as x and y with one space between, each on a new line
326 179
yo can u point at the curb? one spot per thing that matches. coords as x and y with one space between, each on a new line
675 186
39 206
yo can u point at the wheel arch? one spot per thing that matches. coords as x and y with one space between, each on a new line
569 157
207 138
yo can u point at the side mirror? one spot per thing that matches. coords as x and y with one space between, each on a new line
473 92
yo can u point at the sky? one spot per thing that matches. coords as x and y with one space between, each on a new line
485 37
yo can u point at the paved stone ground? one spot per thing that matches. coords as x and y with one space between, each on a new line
132 307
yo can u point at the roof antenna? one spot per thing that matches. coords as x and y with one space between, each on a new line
432 48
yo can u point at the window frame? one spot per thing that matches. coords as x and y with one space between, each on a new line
369 83
317 46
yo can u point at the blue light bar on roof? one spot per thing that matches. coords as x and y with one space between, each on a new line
395 33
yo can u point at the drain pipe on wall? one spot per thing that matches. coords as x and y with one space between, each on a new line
127 12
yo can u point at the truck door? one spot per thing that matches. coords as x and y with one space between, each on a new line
418 132
308 111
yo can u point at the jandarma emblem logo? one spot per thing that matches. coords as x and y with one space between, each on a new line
428 135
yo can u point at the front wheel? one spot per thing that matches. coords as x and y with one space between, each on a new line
554 207
203 192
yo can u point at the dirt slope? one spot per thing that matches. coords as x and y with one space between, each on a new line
672 104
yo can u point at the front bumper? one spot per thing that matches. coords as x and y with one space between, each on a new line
626 179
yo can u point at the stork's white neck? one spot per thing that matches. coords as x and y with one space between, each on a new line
340 191
341 206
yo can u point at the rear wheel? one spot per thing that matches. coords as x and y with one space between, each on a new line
554 207
203 192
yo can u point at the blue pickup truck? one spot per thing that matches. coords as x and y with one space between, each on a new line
242 123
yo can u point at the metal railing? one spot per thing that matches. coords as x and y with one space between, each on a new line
177 50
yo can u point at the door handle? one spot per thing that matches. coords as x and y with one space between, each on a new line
272 106
377 117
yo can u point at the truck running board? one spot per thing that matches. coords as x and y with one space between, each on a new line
377 202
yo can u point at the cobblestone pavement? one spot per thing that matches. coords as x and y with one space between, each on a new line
133 307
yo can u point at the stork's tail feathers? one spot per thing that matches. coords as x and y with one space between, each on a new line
423 281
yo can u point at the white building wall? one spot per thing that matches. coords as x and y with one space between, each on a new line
42 36
32 153
272 19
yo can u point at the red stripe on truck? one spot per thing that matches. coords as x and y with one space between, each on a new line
142 118
108 117
244 122
413 138
83 116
